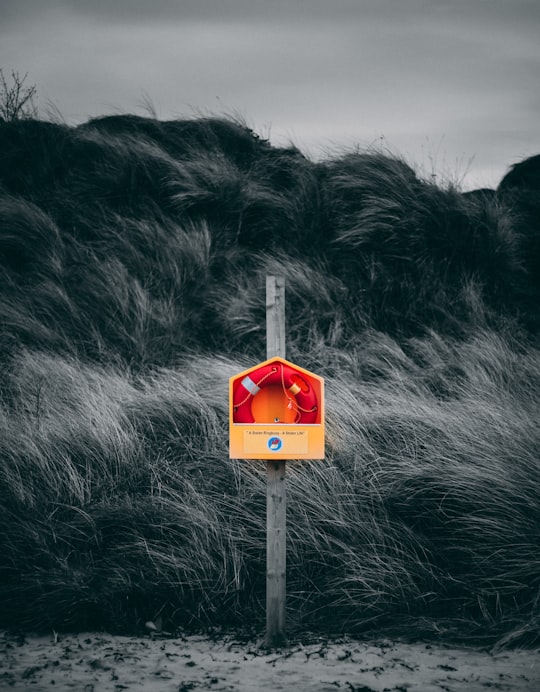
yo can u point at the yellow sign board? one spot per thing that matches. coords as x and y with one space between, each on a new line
276 411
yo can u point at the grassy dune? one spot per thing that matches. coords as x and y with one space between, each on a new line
133 256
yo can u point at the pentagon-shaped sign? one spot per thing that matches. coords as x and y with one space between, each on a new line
276 411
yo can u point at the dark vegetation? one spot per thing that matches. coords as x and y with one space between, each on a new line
17 99
133 257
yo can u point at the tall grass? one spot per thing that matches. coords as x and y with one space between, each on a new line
133 256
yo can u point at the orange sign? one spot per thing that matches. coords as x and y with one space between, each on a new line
276 411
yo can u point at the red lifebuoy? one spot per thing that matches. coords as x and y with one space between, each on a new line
301 395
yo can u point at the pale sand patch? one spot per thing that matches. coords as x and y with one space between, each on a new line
92 662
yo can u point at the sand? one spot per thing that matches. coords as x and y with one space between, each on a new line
90 662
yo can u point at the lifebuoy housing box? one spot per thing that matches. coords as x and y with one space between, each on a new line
276 411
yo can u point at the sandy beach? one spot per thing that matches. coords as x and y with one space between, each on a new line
92 662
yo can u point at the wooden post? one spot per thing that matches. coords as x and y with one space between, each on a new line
276 500
275 316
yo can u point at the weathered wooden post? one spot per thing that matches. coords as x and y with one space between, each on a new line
276 412
276 498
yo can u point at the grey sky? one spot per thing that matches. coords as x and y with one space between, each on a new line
453 86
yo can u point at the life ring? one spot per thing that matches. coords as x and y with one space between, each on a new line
301 395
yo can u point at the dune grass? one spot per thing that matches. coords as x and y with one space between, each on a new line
121 502
133 257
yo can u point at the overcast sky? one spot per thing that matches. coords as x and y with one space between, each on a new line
453 86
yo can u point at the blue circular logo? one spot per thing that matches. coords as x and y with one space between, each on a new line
275 444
